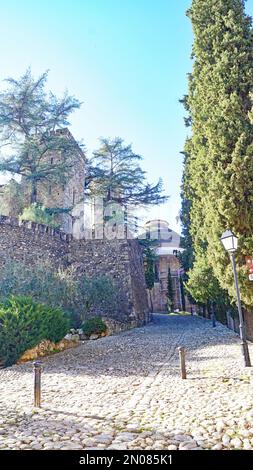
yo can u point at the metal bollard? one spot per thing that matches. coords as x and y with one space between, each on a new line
181 351
37 383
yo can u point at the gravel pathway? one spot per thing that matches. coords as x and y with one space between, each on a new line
125 392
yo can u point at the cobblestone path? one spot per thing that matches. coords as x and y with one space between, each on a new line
125 392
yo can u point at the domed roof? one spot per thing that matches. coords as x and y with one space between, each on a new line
159 230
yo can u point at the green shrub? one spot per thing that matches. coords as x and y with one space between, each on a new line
38 213
24 323
94 325
79 296
98 294
12 201
41 281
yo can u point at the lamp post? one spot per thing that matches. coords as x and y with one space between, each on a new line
230 243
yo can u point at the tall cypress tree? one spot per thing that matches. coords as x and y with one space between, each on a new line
218 174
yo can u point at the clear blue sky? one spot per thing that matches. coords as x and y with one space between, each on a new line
127 60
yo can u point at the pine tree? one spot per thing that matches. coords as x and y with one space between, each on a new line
115 173
218 173
30 129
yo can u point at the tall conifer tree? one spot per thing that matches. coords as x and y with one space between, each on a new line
218 174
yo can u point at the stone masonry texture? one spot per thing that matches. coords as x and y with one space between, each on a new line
121 260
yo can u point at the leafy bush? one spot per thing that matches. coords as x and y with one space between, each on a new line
97 294
94 326
12 202
41 281
24 323
79 296
38 213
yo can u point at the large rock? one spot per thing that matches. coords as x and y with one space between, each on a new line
46 347
94 336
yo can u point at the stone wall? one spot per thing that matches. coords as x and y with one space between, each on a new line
29 242
137 283
122 261
233 323
159 291
119 259
248 318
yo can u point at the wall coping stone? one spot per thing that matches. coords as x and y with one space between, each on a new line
36 228
54 232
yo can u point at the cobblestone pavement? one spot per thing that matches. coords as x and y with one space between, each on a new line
125 392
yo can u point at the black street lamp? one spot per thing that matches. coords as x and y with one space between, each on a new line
230 243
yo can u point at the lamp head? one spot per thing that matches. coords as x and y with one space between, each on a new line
229 241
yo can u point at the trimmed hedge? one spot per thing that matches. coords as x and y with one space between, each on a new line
24 323
94 326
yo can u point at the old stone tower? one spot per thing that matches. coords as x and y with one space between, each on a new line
69 196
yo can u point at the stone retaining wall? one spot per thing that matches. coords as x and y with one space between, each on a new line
119 259
248 317
233 323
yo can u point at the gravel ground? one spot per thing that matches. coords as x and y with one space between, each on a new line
125 392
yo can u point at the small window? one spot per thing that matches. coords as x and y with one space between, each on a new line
74 196
52 160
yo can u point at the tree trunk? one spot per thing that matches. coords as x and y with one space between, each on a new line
204 311
34 192
151 302
213 315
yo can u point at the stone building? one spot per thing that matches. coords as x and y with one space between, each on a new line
69 196
82 216
167 250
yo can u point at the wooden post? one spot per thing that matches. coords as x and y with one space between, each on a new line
37 383
181 351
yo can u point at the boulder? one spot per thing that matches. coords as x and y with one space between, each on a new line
46 347
75 337
68 337
94 336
